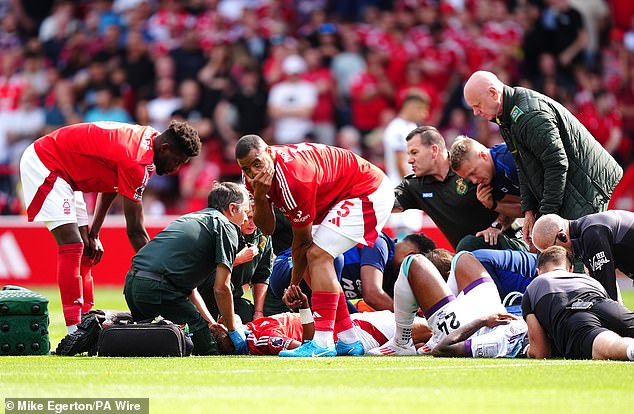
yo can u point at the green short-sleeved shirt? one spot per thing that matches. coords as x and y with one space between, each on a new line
188 250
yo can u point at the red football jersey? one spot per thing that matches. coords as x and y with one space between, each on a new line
272 334
311 178
101 156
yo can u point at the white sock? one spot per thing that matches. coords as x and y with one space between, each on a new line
324 339
71 329
405 308
630 352
348 336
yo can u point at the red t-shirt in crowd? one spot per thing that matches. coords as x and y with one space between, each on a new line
366 112
311 178
101 156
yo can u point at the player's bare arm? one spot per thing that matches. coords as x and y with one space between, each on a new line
198 301
492 233
372 289
538 339
102 205
453 344
259 294
510 206
223 296
134 221
302 240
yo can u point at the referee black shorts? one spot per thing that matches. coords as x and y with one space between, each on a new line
583 326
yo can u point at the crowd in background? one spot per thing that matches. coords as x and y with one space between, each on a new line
334 72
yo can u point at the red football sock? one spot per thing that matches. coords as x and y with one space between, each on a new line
324 309
69 280
342 318
89 289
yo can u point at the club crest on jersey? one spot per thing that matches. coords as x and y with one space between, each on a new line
461 187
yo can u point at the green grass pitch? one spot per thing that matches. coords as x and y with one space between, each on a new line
324 385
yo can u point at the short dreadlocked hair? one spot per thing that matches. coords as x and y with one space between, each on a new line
183 137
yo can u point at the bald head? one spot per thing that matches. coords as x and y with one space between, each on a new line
483 93
546 230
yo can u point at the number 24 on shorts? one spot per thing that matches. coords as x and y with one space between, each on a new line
453 322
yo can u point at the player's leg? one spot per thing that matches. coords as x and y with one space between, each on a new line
467 270
325 297
419 284
85 269
50 199
359 220
405 307
69 254
610 345
617 340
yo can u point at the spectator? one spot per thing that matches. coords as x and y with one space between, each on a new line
107 107
345 67
291 103
23 125
9 39
193 110
370 94
62 108
161 108
188 57
138 65
245 109
323 116
414 110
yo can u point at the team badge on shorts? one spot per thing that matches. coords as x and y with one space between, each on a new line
461 186
66 206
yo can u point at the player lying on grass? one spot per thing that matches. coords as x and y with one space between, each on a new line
571 314
365 272
492 332
281 333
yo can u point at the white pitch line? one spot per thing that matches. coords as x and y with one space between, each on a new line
429 368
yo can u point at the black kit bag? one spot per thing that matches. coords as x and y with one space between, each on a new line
85 338
23 322
162 339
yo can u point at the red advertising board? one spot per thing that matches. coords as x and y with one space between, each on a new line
28 253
